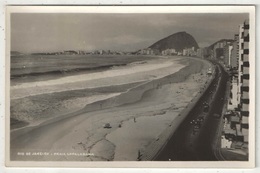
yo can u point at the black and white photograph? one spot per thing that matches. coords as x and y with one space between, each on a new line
134 85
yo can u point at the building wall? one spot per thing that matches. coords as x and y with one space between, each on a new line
227 54
239 94
240 52
169 52
234 53
245 76
189 52
230 48
233 99
218 49
200 52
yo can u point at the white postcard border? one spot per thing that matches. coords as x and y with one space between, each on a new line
135 9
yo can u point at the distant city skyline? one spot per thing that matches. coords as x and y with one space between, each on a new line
49 32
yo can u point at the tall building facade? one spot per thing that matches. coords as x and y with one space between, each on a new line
244 79
239 94
228 54
235 52
240 62
233 100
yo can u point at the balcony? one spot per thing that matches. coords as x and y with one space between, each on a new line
245 120
245 58
245 83
246 32
246 138
245 95
238 128
245 70
245 108
245 133
246 45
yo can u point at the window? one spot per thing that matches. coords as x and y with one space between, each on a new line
246 26
246 39
245 126
245 76
246 51
246 64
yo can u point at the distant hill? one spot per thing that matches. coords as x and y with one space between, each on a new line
177 41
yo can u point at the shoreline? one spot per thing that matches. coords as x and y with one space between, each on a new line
51 75
117 103
30 107
21 73
25 110
133 72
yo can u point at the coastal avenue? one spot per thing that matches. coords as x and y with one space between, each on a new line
187 145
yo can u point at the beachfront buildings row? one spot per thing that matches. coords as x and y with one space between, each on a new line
236 57
185 52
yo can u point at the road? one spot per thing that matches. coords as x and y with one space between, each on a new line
188 144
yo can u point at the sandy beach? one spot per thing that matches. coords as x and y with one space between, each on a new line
36 100
139 101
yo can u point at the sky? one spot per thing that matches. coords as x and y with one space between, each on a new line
49 32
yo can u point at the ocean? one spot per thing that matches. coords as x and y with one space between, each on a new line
23 65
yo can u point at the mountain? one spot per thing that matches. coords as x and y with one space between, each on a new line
177 41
